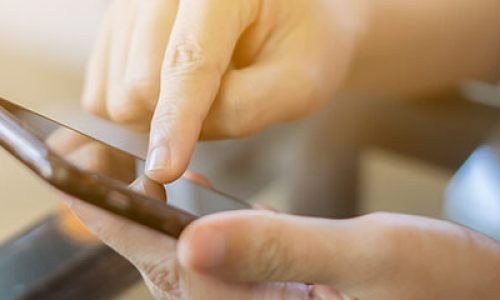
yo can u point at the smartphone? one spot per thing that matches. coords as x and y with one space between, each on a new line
26 135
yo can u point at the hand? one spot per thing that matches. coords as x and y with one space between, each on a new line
217 69
154 254
243 254
264 255
378 256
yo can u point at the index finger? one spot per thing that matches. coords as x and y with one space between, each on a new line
199 51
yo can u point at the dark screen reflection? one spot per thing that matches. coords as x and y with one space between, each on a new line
92 156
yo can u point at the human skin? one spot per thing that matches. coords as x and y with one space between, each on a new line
216 69
419 47
154 254
224 69
268 255
379 256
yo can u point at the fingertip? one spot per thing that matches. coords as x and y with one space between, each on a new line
149 187
201 248
159 166
211 243
169 155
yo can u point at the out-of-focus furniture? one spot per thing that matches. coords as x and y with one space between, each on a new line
442 131
58 259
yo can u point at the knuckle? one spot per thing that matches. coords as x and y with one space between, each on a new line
271 256
132 102
94 106
186 57
275 259
163 277
144 91
121 114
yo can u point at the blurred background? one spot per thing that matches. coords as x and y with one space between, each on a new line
356 156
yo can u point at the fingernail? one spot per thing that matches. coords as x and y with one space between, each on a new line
202 251
158 159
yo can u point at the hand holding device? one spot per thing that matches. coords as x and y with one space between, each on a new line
101 177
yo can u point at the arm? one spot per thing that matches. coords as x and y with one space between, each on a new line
413 47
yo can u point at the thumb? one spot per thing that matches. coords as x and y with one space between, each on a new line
253 246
